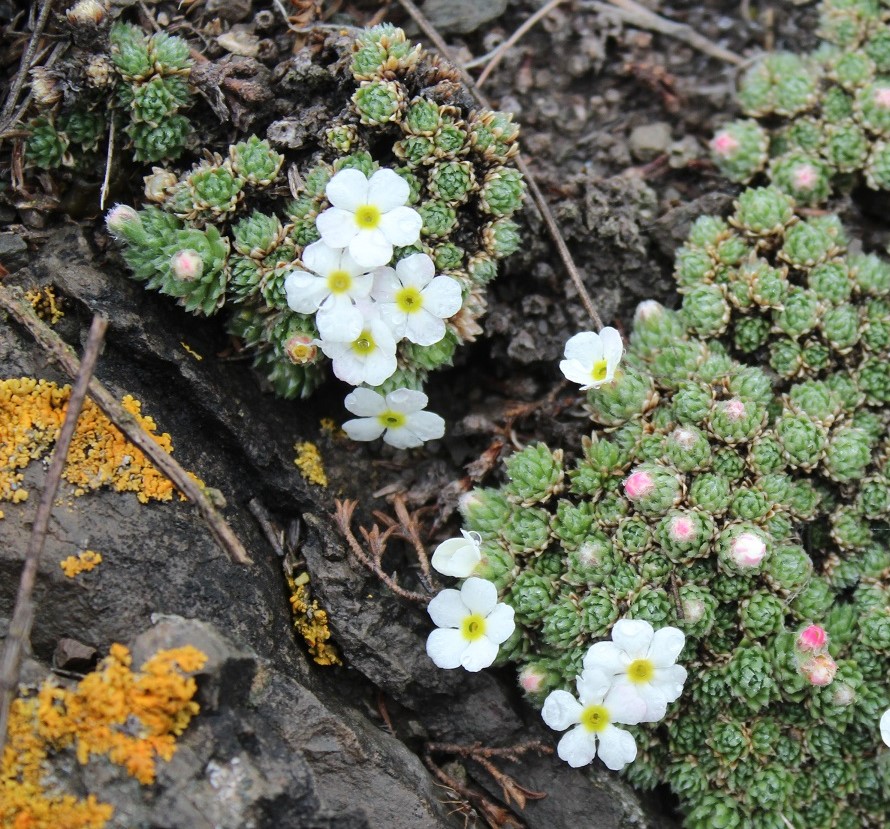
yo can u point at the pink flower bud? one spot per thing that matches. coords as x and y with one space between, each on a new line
843 695
819 670
882 97
735 409
805 177
119 217
532 679
693 610
724 144
747 550
301 349
638 484
684 438
648 309
812 639
187 265
682 528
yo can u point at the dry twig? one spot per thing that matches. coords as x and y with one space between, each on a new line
62 353
23 615
376 542
537 197
109 157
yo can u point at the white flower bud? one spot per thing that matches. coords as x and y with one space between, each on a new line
187 265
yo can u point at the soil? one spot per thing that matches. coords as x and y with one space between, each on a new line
615 129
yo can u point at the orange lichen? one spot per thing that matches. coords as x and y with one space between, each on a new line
31 415
45 304
132 718
308 461
311 622
81 563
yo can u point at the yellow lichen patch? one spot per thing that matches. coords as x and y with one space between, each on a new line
46 304
132 718
308 461
311 622
81 563
330 428
191 351
31 415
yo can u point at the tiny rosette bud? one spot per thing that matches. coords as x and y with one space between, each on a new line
458 557
187 265
819 670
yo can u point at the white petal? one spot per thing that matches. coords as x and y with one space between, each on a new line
655 701
348 189
479 595
335 350
387 190
607 657
347 366
625 703
499 624
337 227
885 726
321 258
370 248
479 654
338 320
585 347
394 317
443 297
365 403
634 636
401 438
617 748
426 425
446 646
423 328
593 685
386 283
670 681
666 646
447 609
613 347
364 428
407 400
574 371
456 557
561 710
577 747
416 270
361 286
401 226
379 366
305 292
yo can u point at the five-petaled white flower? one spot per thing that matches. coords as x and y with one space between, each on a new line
458 557
331 287
369 216
641 662
591 359
369 358
471 624
885 727
601 705
399 417
414 301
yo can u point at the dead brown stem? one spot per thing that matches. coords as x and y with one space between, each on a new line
62 354
23 614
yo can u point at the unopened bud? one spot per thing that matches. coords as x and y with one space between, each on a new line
747 550
724 144
638 485
187 265
648 309
86 13
532 679
812 639
44 87
735 409
682 528
693 610
819 670
119 217
157 184
842 695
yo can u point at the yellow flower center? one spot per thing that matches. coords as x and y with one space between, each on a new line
364 343
367 217
640 671
473 627
339 282
595 717
599 370
391 419
409 300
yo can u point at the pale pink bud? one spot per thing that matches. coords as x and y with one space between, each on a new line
805 177
735 409
682 528
638 484
684 438
882 96
532 679
119 217
187 265
648 309
693 610
812 639
301 349
819 670
747 550
724 144
843 695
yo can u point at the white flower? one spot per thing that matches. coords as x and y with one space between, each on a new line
458 557
885 726
335 283
642 662
471 624
414 301
369 358
399 417
601 705
591 359
369 216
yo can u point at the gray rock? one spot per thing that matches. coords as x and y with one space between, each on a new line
13 251
462 16
648 141
71 655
